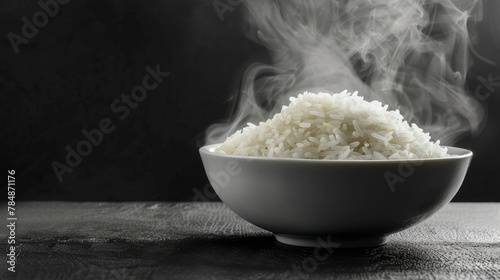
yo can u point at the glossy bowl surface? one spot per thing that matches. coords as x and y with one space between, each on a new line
334 203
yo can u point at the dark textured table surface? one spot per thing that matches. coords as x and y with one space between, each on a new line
64 240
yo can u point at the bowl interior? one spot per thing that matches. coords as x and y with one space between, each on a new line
456 152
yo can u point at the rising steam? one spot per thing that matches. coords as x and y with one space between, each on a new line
412 55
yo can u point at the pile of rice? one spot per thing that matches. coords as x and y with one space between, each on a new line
334 126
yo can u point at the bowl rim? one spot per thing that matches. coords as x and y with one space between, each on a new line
462 153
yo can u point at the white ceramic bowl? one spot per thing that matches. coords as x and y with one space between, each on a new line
335 203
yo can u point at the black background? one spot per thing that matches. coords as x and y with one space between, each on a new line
66 77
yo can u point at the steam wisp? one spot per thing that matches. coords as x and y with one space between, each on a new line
411 55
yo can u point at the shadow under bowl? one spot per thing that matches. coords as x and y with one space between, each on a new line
334 203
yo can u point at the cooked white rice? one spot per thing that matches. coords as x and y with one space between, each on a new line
334 126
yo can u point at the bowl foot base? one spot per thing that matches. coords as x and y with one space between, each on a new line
330 242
